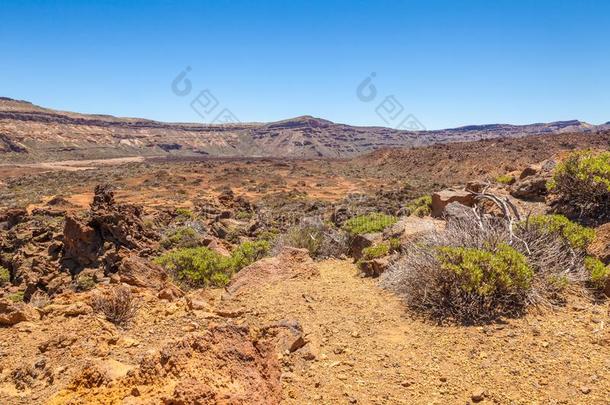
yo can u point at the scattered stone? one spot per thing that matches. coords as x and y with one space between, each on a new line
477 395
585 390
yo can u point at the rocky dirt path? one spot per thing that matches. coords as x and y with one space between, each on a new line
368 351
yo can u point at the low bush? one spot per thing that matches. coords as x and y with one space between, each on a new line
84 282
184 213
247 253
373 252
118 305
16 297
39 299
197 267
180 238
582 181
5 276
598 272
578 236
395 244
487 273
369 223
505 179
203 267
420 207
477 270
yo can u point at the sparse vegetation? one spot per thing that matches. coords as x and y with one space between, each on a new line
598 272
420 207
39 299
247 253
373 252
84 282
181 237
505 179
184 213
5 276
118 305
395 244
582 181
369 223
16 297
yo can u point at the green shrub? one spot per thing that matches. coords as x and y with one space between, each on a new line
247 253
373 222
269 235
84 282
582 181
184 213
243 215
395 244
202 267
486 273
598 272
5 276
181 237
505 179
197 267
373 252
421 206
16 297
577 236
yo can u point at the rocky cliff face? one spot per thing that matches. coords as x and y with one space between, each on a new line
32 133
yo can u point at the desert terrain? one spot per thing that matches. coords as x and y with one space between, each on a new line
288 302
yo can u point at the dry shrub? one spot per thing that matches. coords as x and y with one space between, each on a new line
321 240
39 299
118 305
489 273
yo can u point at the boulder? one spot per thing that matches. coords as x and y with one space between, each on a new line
531 170
442 198
532 188
457 211
415 226
600 247
139 272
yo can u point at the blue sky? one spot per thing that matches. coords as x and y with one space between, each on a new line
449 63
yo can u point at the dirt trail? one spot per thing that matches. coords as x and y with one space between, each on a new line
363 348
370 352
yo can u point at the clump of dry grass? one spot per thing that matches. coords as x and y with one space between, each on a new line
320 239
118 305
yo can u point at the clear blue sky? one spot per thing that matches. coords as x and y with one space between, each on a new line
450 63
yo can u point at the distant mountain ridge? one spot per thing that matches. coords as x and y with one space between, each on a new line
32 133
